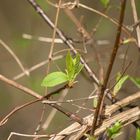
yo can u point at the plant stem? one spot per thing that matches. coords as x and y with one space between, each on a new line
112 59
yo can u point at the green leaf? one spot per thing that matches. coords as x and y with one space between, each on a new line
114 130
95 102
69 66
105 2
77 66
69 62
54 79
129 40
136 81
90 137
120 81
73 66
79 69
138 134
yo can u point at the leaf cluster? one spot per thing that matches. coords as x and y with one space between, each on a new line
73 68
114 130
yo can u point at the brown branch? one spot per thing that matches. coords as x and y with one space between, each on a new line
5 119
56 91
36 136
125 117
112 59
20 87
134 11
39 97
71 115
53 38
126 101
14 56
105 16
37 66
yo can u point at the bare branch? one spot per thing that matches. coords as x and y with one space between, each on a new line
36 67
112 59
15 57
133 5
20 87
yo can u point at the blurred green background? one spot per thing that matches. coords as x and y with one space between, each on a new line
17 17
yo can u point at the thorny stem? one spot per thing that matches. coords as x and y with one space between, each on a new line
113 56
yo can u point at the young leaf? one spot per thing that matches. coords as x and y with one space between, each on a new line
128 40
69 66
114 130
136 81
90 137
69 62
120 81
79 69
73 66
77 66
54 79
138 134
105 2
95 102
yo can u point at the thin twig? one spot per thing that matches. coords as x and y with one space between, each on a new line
15 57
134 11
5 119
40 121
113 56
105 16
39 136
42 39
50 56
72 4
80 99
36 67
53 38
53 111
29 135
56 91
20 87
71 115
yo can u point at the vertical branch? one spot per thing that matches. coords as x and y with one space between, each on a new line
15 57
112 59
49 61
133 5
54 34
